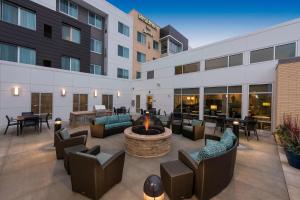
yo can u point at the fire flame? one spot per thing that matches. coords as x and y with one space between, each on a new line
147 121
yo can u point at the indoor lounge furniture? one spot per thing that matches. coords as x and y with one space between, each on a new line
93 173
194 130
30 120
220 123
176 121
213 165
177 179
109 125
251 126
11 122
73 149
62 139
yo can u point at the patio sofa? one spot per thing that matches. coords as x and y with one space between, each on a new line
165 120
213 165
109 125
193 130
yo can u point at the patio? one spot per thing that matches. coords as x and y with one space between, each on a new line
29 169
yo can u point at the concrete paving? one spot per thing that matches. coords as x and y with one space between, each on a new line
29 169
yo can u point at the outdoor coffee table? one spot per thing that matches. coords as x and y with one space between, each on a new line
177 179
73 149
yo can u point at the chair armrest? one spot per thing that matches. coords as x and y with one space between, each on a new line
79 133
74 141
114 158
184 157
94 150
212 137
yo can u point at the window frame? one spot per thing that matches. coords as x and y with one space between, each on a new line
141 55
144 36
124 26
283 44
123 51
148 74
95 19
70 63
94 66
101 46
263 48
154 41
68 14
72 28
124 75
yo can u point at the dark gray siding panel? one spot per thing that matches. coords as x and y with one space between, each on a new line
169 30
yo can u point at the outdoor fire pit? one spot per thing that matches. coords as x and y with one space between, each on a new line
147 138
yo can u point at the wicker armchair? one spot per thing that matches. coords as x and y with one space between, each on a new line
194 131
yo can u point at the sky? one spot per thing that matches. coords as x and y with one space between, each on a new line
207 21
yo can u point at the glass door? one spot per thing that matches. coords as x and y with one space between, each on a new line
138 103
107 100
149 102
41 103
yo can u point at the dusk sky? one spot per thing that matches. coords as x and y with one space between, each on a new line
207 21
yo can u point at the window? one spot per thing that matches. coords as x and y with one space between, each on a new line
285 51
260 104
71 64
123 73
96 46
138 75
96 69
262 55
80 102
41 103
235 60
123 29
47 31
150 74
155 45
188 68
141 38
123 51
141 57
107 100
47 63
71 34
68 8
216 63
27 56
186 101
19 16
8 52
95 20
174 48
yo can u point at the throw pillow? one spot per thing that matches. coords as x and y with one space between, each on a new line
64 133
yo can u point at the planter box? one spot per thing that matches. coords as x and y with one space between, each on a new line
293 159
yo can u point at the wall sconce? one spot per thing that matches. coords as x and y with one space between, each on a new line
16 91
188 98
95 93
213 107
63 92
118 93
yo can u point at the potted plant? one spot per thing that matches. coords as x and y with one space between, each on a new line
289 135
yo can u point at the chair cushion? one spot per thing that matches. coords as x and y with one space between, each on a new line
101 120
194 155
228 138
211 151
196 122
64 133
187 121
103 157
187 128
109 126
112 119
211 142
228 133
124 118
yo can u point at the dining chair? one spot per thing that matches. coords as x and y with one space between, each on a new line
10 122
30 121
251 125
45 120
220 123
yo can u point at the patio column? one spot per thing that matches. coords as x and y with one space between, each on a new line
245 100
201 102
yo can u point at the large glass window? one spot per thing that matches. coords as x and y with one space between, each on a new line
41 103
123 29
123 73
27 56
186 101
96 69
285 51
150 74
188 68
262 55
260 104
141 38
141 57
174 47
96 46
69 8
95 20
107 100
234 101
71 34
216 63
138 75
27 19
8 52
80 102
123 51
155 45
235 60
9 13
71 64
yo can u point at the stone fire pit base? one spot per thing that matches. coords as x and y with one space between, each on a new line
147 146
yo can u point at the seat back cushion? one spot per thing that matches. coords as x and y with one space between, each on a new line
188 128
228 138
101 120
112 119
196 122
124 118
211 151
64 133
103 157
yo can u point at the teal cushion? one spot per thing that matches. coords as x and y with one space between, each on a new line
124 118
228 133
64 133
196 122
194 155
125 123
109 126
103 157
112 119
101 120
211 142
228 138
211 151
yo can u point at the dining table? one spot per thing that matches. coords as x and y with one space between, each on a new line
22 118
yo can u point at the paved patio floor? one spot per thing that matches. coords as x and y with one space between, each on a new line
29 169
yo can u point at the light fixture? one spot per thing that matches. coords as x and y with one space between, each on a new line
63 92
153 188
95 93
213 107
266 104
118 93
16 91
57 124
236 123
192 98
188 98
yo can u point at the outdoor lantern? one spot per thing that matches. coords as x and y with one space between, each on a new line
95 93
63 92
57 124
153 188
16 91
236 129
118 93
